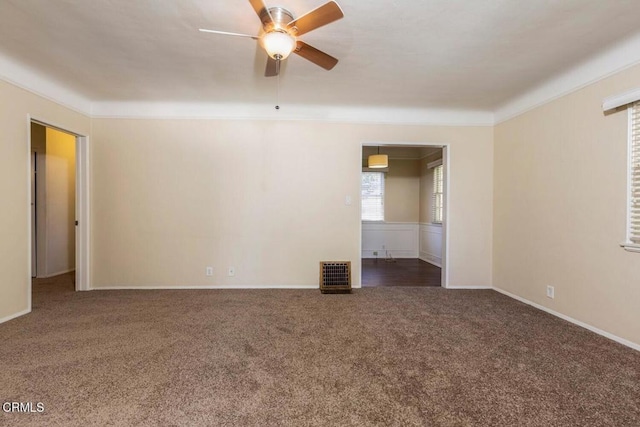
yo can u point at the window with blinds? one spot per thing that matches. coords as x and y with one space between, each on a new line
633 229
438 196
372 196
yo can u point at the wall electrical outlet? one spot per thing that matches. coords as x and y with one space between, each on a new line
209 271
232 271
375 253
550 292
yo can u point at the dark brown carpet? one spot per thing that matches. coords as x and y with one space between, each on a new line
380 356
400 272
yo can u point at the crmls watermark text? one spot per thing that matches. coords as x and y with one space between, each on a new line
31 407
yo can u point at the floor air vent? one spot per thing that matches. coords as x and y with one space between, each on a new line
335 277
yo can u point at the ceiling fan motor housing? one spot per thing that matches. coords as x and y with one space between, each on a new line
280 18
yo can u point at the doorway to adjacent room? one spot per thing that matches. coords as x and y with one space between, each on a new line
59 206
53 199
403 232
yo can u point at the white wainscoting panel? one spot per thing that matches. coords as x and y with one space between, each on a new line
399 239
431 243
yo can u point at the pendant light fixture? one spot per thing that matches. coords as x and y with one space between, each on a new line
378 161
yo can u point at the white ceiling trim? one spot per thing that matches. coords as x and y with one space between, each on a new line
238 111
621 56
34 82
616 59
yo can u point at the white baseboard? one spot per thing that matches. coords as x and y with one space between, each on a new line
430 259
156 288
476 288
572 320
13 316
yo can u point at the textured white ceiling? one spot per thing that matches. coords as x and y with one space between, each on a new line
453 54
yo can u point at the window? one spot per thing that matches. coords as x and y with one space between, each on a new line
372 196
438 197
633 219
630 100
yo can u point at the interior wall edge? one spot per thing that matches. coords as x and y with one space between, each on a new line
15 315
32 81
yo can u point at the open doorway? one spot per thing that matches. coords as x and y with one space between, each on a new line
53 198
403 209
59 206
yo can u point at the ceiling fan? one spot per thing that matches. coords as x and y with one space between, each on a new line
280 32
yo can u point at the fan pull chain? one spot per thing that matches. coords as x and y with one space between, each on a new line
277 84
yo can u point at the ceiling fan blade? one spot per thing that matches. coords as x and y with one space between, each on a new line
226 33
262 11
272 69
314 55
323 15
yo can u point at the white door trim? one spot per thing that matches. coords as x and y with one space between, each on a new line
32 237
83 217
445 216
29 226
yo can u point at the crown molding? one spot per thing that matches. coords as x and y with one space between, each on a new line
324 113
33 81
614 60
621 56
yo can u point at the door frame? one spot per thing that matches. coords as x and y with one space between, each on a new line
33 205
82 210
444 278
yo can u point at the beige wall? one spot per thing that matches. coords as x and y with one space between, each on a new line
560 196
60 203
15 105
170 197
402 191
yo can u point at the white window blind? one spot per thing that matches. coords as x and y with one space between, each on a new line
372 196
634 175
438 196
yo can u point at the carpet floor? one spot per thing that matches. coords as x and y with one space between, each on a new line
379 356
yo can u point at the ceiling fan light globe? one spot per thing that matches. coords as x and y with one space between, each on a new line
278 45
